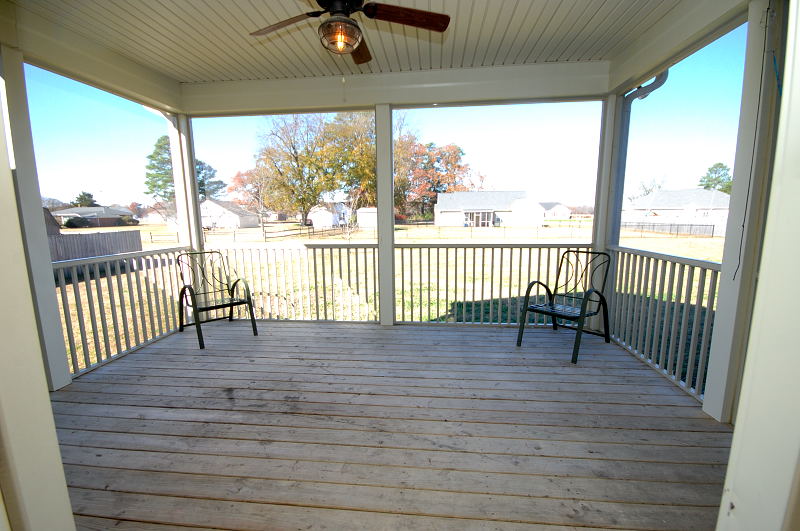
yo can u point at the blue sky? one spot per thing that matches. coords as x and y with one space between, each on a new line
89 140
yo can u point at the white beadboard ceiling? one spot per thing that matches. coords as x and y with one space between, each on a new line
194 41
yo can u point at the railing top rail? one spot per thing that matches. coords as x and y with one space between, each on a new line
110 257
493 245
336 245
705 264
667 224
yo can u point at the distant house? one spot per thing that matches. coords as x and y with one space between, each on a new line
272 215
327 215
487 209
694 206
99 216
218 214
554 210
367 217
162 213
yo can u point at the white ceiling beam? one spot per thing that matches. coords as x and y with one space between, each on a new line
63 51
681 32
453 86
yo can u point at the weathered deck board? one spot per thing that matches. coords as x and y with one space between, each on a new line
351 426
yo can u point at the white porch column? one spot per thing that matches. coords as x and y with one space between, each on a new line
32 480
745 219
29 203
762 485
187 202
605 211
383 134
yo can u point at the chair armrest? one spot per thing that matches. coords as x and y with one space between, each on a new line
528 292
587 295
190 291
244 283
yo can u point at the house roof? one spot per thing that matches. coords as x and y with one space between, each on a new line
231 206
547 205
680 199
162 208
50 223
94 212
501 200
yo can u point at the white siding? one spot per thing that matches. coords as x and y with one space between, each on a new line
367 217
448 218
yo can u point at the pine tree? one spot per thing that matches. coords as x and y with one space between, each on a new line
161 184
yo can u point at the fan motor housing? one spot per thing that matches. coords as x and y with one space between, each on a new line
340 6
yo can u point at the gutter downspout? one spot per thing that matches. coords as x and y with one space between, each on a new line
639 93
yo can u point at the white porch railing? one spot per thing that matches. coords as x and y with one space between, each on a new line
111 305
331 282
662 310
662 307
471 283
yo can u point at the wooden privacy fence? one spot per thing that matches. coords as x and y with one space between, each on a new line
662 310
74 246
111 305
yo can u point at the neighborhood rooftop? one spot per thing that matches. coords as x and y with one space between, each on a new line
484 200
681 199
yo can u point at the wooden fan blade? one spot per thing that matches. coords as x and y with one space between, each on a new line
407 16
361 54
287 22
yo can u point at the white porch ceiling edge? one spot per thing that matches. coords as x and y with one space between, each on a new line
504 83
63 51
46 43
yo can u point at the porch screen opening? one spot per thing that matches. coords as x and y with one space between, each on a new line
681 150
479 219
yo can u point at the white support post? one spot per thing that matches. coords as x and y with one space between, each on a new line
745 219
32 483
762 484
190 225
605 213
29 203
383 126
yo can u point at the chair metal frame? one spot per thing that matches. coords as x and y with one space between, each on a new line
580 280
207 287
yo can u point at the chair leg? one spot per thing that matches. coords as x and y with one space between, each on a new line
555 322
252 317
199 331
522 319
230 314
181 311
606 334
577 346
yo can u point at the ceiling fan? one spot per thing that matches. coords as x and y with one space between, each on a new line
340 34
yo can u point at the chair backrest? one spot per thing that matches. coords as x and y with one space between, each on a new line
579 271
205 271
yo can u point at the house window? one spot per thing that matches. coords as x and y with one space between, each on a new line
478 219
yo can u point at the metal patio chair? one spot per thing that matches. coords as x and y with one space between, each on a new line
578 294
207 287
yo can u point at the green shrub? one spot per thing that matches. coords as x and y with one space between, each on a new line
77 223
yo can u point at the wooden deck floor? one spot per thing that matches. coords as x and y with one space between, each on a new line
349 426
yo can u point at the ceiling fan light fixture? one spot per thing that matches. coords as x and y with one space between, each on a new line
340 35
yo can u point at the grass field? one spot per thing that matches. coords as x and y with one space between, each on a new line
279 234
